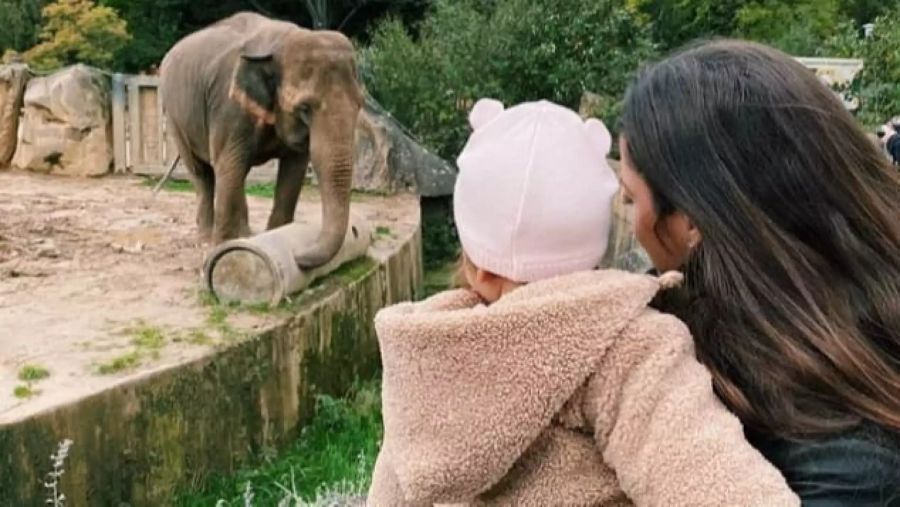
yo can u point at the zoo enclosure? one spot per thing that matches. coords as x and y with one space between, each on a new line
140 143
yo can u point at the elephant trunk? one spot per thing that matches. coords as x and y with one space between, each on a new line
332 158
13 79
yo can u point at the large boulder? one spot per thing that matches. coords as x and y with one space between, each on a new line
13 79
388 160
67 126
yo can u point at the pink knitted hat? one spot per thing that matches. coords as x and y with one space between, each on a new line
533 198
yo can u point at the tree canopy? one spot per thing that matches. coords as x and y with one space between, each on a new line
78 31
797 26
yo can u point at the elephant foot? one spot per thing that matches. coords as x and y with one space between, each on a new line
243 232
205 236
204 239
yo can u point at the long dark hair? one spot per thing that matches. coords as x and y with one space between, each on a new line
795 287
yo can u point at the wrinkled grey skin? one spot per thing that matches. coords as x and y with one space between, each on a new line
249 89
13 79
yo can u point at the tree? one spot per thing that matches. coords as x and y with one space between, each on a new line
337 15
675 22
154 27
512 50
865 11
798 27
77 31
20 20
878 84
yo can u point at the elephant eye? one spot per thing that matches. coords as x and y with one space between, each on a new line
304 111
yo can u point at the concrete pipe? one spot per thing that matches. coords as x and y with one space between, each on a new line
262 269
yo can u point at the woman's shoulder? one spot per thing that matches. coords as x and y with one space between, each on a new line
860 467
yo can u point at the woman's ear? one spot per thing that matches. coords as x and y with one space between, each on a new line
682 232
694 236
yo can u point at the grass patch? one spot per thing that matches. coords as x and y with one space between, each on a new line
265 190
383 230
33 373
217 316
148 337
354 270
24 392
207 298
198 337
257 189
335 451
120 363
261 190
30 373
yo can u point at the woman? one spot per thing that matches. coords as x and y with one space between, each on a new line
748 174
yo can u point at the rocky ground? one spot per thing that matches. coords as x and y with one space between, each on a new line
100 281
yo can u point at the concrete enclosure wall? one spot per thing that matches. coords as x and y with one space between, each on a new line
139 442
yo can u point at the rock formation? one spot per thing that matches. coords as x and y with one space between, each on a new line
66 127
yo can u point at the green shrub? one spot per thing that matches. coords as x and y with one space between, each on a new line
78 31
792 25
797 27
878 84
675 22
335 451
20 20
512 50
440 244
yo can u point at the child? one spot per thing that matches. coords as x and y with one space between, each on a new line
545 382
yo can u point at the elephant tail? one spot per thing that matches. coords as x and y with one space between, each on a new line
165 177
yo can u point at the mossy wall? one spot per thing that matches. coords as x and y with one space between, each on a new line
137 443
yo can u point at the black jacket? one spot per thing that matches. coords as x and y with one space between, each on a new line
860 468
893 147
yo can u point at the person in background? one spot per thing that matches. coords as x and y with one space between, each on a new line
750 177
890 139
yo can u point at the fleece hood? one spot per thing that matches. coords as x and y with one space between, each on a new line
511 367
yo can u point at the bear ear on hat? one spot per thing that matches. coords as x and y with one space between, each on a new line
599 134
484 111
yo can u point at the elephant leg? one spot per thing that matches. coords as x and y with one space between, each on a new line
204 179
231 220
205 185
291 172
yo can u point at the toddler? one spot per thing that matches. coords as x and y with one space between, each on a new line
546 382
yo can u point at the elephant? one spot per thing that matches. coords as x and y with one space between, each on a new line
13 79
249 89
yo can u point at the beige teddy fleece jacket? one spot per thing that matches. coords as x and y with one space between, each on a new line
568 391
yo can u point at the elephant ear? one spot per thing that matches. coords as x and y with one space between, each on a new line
599 135
255 82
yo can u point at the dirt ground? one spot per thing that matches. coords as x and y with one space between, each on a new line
100 281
